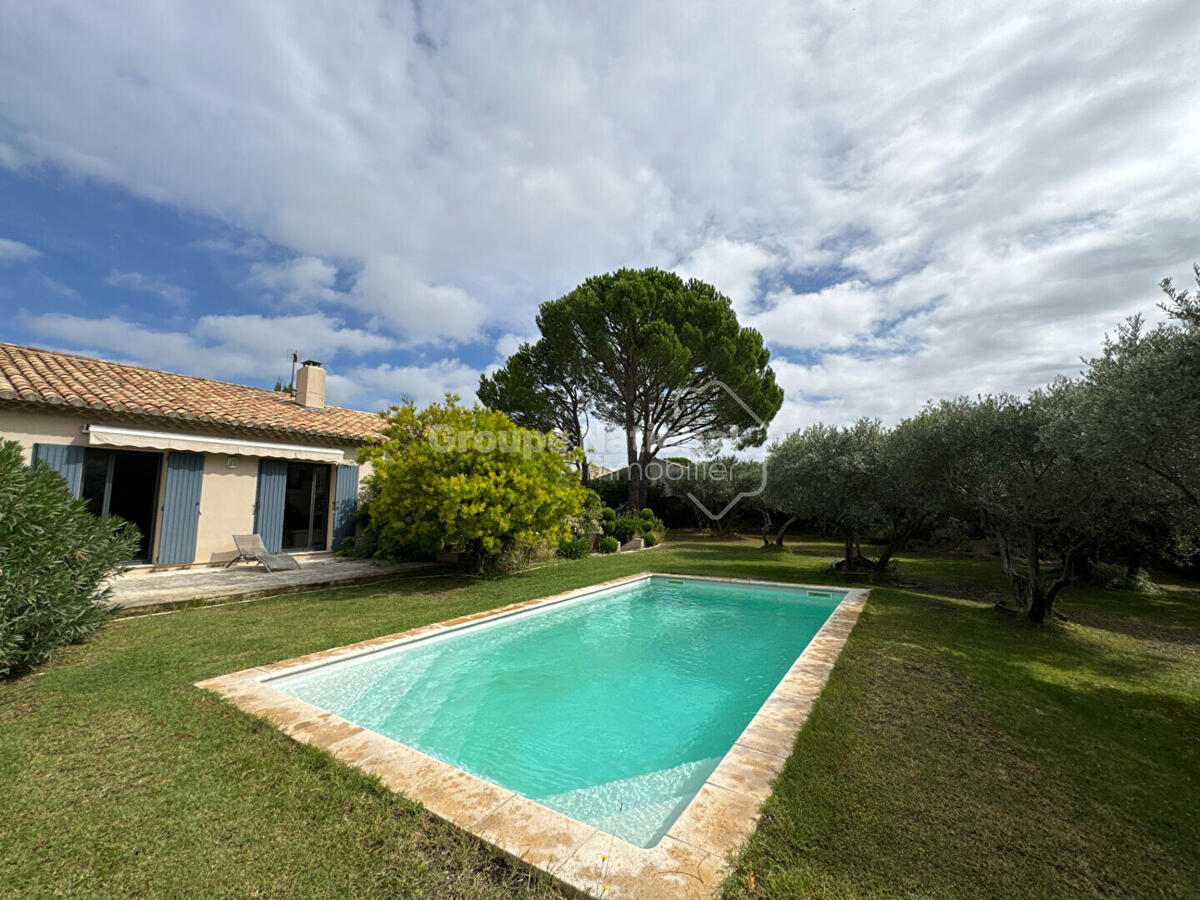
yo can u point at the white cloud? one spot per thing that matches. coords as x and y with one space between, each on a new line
171 351
9 157
311 336
732 266
56 287
301 281
15 251
423 384
249 247
508 343
834 317
136 281
396 295
990 193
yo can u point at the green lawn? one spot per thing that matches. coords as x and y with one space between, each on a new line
954 752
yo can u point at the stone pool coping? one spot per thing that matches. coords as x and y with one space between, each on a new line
693 857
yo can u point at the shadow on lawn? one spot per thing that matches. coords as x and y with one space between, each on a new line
993 641
1172 618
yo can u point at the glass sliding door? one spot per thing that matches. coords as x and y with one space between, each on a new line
306 506
124 483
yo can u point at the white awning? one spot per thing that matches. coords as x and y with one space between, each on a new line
108 435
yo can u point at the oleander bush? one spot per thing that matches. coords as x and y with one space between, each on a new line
55 560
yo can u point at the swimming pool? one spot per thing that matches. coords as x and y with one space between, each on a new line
571 731
613 708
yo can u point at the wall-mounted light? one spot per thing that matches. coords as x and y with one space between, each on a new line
231 462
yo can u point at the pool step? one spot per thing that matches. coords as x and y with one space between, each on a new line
641 807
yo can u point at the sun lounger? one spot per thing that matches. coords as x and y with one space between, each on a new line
250 547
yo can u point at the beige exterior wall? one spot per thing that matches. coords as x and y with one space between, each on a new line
29 428
227 494
226 506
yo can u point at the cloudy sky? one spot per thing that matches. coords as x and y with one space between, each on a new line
908 200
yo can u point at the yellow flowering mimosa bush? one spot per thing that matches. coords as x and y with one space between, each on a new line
469 479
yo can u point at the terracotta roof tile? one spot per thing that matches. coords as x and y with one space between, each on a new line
57 379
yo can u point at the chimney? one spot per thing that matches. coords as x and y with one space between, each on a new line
310 385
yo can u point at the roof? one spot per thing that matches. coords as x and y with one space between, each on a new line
48 379
622 473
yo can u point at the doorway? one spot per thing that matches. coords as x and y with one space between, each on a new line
124 483
306 506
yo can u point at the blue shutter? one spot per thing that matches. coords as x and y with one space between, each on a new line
345 503
268 503
66 460
181 508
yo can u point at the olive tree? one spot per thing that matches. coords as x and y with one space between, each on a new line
1143 394
1022 466
828 474
901 487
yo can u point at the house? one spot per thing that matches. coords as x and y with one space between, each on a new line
190 461
655 471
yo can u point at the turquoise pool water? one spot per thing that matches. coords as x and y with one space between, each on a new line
613 708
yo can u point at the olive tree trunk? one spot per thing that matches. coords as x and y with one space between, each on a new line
1035 590
779 535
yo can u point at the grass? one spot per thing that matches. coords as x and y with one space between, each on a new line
954 752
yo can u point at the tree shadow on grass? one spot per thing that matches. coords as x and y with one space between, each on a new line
1171 618
988 640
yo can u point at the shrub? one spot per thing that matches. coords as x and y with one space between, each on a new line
666 499
953 534
650 538
55 557
609 545
576 548
647 513
590 515
522 555
652 523
1116 578
370 542
626 528
444 479
608 518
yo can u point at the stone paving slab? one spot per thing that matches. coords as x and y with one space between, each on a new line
196 587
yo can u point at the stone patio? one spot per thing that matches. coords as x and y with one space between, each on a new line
158 591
